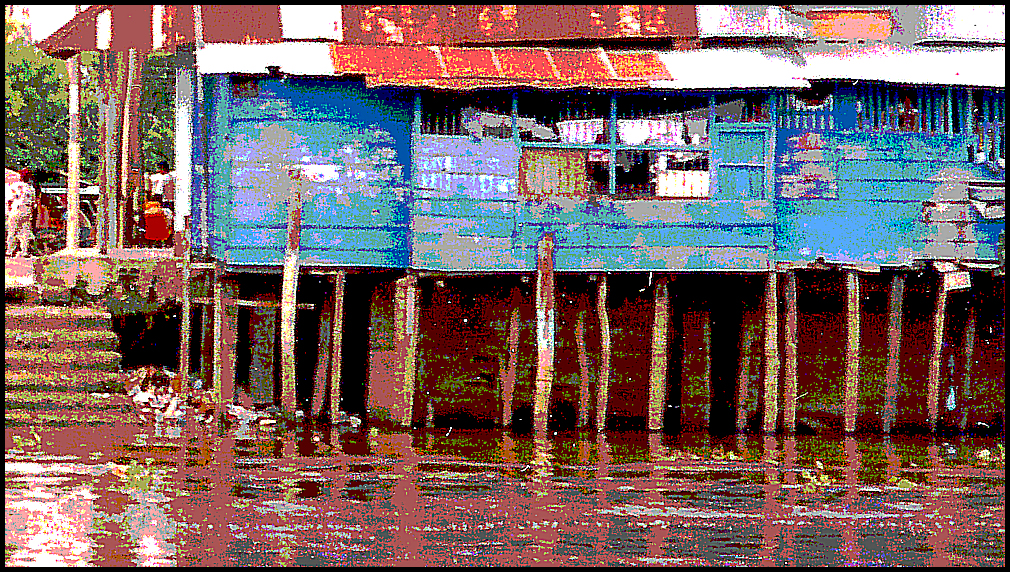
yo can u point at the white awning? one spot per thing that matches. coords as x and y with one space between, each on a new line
983 66
295 58
729 68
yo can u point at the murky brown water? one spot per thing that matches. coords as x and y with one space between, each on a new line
238 496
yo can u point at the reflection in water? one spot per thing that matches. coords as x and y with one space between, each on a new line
313 497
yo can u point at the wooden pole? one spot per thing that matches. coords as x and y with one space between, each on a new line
406 335
509 383
339 281
187 311
289 294
851 398
743 375
580 342
969 357
74 151
789 367
129 149
657 369
225 338
893 350
771 353
321 378
933 386
545 331
603 379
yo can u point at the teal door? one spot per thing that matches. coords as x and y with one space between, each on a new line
743 154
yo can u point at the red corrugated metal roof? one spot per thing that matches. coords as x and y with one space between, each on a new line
472 68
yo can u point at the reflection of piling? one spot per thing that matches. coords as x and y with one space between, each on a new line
969 357
509 382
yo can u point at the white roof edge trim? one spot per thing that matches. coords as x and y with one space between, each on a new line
294 58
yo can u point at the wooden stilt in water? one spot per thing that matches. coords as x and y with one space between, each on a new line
743 375
289 295
406 335
657 369
893 350
936 352
580 343
186 327
789 366
225 341
545 331
851 384
322 374
509 383
339 281
771 353
969 357
603 378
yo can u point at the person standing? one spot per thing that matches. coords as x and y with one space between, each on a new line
19 215
162 185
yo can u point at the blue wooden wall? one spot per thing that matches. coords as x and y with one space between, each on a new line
354 147
859 197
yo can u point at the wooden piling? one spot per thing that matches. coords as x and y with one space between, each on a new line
545 331
789 366
851 384
509 383
580 343
969 357
289 294
933 385
743 375
336 357
658 363
225 338
74 152
405 327
603 378
320 378
771 353
893 350
186 327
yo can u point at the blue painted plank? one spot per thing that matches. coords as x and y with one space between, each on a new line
656 258
275 258
321 238
462 206
490 227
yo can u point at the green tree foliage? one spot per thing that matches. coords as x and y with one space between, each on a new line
37 118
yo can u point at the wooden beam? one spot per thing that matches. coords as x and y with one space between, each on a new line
186 327
405 327
321 376
225 338
545 331
789 367
969 357
74 153
743 375
935 354
771 353
289 293
603 378
509 383
893 350
658 363
336 357
262 343
851 397
580 344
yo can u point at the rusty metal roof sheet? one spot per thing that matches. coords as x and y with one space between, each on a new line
442 67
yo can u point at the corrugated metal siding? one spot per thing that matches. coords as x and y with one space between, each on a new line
859 197
354 149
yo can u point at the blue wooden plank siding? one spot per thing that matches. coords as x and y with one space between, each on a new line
851 179
353 146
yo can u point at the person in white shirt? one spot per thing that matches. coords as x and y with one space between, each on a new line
18 220
162 185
